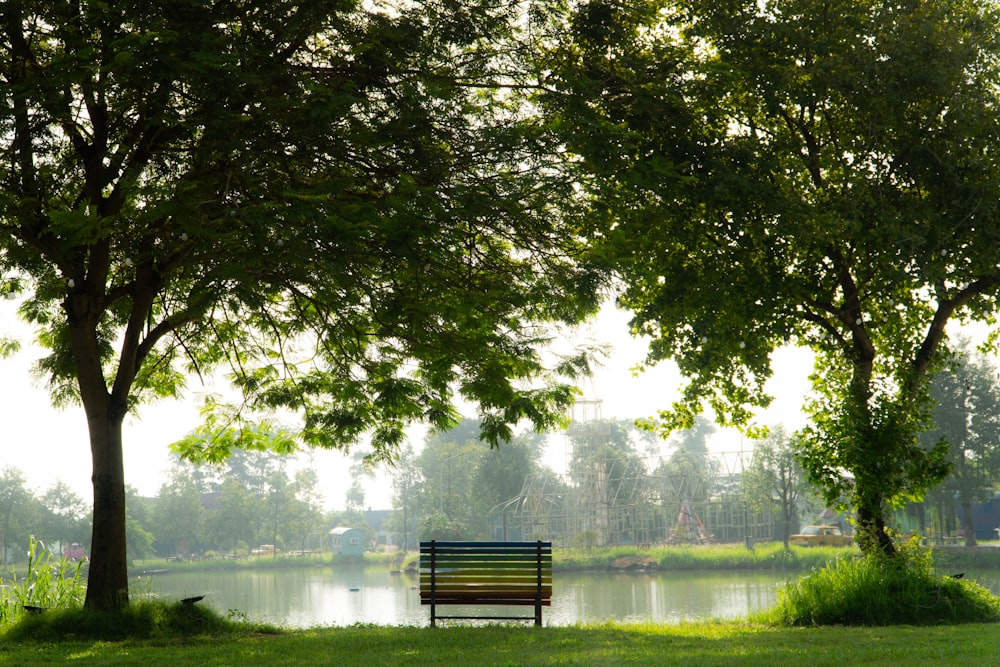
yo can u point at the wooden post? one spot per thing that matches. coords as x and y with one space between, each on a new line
538 584
433 579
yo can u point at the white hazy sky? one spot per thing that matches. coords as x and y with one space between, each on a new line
50 445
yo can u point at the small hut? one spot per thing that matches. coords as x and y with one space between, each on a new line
348 542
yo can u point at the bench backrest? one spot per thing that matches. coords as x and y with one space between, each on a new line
516 573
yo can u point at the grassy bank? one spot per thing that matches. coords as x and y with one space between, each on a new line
694 644
771 556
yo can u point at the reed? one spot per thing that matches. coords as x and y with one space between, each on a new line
47 583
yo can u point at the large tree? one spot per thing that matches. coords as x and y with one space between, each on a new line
813 172
335 200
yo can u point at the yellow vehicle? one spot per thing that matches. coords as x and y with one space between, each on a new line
821 536
265 550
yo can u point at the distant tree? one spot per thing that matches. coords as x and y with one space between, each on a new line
440 527
776 481
137 514
966 416
278 500
447 464
232 524
812 172
339 202
65 517
406 481
19 512
178 515
688 472
354 497
499 473
303 515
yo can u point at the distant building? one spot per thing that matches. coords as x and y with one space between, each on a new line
348 542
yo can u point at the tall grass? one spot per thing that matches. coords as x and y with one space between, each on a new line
48 582
141 620
875 590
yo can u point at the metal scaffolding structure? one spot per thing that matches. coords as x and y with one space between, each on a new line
603 500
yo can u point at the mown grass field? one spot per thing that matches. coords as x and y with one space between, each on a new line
613 645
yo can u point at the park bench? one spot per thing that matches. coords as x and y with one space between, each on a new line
486 574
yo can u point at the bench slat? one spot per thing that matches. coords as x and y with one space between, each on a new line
492 602
472 578
485 545
465 597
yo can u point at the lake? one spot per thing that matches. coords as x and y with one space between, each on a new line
348 595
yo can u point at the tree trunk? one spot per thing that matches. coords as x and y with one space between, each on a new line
107 584
872 537
970 530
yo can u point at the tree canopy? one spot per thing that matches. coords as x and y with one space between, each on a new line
339 203
813 172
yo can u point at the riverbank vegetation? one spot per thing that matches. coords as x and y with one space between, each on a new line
877 590
770 556
767 556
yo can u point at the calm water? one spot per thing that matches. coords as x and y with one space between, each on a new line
345 595
348 595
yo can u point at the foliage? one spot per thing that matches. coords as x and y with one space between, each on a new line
339 204
456 481
877 590
145 620
65 516
442 527
19 511
775 479
764 556
178 514
606 467
815 172
50 582
687 474
244 501
966 415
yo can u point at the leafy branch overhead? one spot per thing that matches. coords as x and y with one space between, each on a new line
338 204
320 205
816 172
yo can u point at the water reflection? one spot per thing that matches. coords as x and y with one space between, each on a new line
344 595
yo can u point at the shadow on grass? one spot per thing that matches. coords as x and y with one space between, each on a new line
140 621
701 644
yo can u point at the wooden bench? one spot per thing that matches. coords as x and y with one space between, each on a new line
486 573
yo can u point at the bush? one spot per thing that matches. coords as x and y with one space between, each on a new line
49 582
877 590
140 620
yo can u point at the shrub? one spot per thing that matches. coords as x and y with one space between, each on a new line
878 590
48 583
140 620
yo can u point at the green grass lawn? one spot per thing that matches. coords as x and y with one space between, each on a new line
613 645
